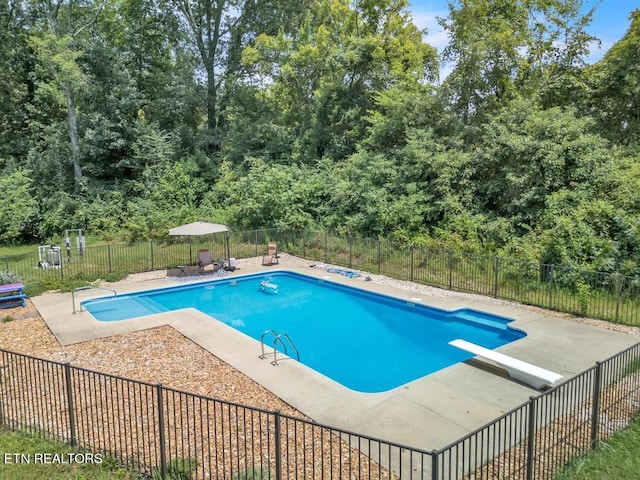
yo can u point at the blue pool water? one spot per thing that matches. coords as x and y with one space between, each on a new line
365 341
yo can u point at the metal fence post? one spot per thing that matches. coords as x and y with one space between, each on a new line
618 288
379 256
326 247
109 258
278 446
551 287
434 465
531 437
256 241
151 250
495 277
350 252
69 389
450 269
411 273
161 432
595 404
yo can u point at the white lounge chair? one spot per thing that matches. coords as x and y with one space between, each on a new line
537 377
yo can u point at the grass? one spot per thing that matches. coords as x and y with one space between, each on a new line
16 448
616 459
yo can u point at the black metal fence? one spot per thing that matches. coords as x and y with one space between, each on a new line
536 439
607 296
167 433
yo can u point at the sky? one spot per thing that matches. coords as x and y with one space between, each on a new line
610 22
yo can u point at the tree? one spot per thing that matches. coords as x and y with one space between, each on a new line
18 208
527 153
615 88
16 88
55 47
502 48
219 30
326 77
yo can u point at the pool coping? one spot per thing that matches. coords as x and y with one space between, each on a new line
427 413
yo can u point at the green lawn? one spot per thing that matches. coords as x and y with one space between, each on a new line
616 459
45 459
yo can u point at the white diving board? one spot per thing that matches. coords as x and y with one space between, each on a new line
537 377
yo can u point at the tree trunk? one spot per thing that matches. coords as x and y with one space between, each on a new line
73 131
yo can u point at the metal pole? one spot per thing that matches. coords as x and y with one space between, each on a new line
109 257
256 241
226 239
350 252
379 256
278 446
531 437
72 419
618 288
434 465
495 277
151 249
162 439
551 288
450 269
411 273
595 412
326 247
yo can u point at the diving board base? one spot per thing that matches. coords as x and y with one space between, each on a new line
524 372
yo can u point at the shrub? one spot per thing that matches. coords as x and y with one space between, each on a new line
253 473
9 277
177 469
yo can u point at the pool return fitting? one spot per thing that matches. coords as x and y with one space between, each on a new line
277 338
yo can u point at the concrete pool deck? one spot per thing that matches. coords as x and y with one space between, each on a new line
428 413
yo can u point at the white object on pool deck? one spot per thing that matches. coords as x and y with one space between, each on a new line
537 377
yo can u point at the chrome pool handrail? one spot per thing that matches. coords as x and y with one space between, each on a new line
277 338
275 354
88 287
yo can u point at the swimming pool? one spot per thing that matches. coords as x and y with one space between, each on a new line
365 341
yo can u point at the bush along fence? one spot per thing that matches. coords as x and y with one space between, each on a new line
166 433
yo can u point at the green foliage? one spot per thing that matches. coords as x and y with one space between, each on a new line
30 444
9 277
584 295
274 195
323 113
18 207
615 88
618 458
253 473
177 469
560 153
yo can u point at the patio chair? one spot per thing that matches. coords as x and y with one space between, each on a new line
205 261
271 255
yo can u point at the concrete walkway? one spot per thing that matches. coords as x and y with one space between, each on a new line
427 413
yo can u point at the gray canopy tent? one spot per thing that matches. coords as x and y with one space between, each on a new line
197 229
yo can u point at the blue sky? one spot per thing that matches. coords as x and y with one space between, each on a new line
610 21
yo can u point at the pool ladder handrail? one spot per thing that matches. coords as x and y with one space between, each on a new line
88 287
277 338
